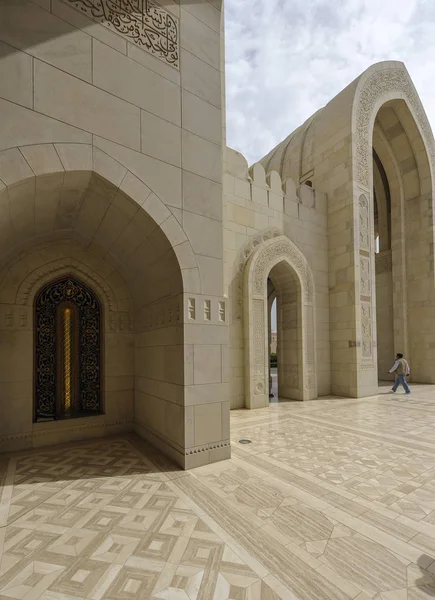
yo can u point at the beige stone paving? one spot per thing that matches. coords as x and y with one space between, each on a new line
333 500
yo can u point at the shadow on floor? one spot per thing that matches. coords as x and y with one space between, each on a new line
87 460
427 582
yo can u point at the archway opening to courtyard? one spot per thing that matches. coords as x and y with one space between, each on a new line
383 270
273 341
286 292
278 272
403 241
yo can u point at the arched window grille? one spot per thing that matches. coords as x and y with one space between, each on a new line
67 351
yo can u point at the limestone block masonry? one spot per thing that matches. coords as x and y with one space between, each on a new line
114 173
271 227
111 173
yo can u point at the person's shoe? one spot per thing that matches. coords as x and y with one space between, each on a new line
408 392
394 391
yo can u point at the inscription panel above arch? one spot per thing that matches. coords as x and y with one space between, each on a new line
141 22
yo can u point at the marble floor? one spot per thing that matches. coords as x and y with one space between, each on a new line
332 500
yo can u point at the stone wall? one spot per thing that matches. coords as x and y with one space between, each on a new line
82 94
257 208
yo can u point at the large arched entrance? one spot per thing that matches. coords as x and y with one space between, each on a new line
280 262
372 152
394 172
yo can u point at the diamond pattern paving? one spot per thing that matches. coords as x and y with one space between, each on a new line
333 500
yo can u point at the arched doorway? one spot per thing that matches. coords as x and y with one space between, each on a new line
279 261
397 300
68 344
273 340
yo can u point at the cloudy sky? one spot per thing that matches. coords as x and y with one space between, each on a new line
287 58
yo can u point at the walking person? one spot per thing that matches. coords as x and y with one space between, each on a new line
402 370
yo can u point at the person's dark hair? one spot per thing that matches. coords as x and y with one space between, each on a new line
399 355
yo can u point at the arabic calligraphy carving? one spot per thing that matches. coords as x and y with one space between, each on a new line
143 22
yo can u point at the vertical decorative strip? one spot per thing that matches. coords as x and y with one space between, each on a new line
310 352
222 311
365 278
191 308
259 336
67 367
207 310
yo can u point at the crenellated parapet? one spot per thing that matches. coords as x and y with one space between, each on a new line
268 189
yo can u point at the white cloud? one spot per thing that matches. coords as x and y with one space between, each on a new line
288 58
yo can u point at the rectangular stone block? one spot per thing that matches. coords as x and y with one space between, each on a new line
41 34
208 424
202 196
200 40
98 112
205 234
16 76
202 118
125 78
160 139
204 12
208 393
201 79
202 157
207 364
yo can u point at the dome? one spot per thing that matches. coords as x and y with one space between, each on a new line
292 158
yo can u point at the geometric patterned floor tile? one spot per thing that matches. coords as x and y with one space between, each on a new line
333 498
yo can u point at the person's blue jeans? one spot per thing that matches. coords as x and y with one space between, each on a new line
401 380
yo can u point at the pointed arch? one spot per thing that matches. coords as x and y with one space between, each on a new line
378 85
291 268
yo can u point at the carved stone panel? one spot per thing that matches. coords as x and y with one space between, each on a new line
289 252
310 336
141 22
365 271
259 332
366 329
365 245
244 254
364 224
378 85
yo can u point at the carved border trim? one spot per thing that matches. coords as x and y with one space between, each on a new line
365 277
268 254
34 280
377 85
286 250
244 255
45 432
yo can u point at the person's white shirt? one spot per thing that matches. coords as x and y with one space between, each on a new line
396 364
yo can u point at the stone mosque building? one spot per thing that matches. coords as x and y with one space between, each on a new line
140 256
